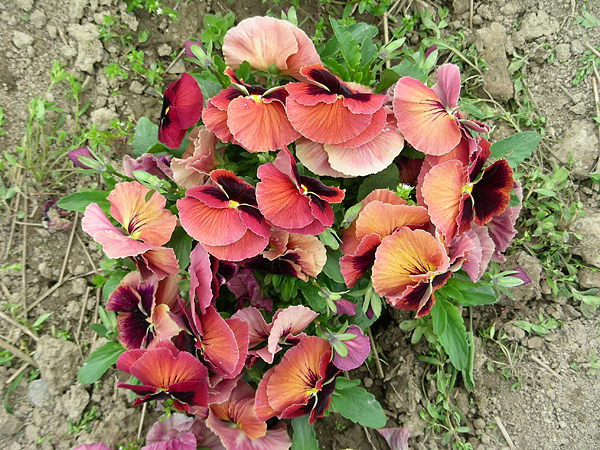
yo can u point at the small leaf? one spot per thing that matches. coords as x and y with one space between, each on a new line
358 405
304 434
181 243
516 148
145 136
386 179
332 266
454 338
99 362
80 200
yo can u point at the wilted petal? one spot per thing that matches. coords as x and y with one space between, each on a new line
502 227
397 438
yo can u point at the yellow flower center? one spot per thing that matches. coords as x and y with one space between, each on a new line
233 204
304 189
257 98
167 111
468 188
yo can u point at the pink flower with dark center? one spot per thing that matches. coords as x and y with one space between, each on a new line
147 226
224 217
165 372
294 202
236 424
409 266
251 116
302 383
329 111
182 432
181 109
428 117
455 194
147 310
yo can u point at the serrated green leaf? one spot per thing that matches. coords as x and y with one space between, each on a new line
99 362
145 136
386 179
359 406
80 200
304 435
516 148
350 49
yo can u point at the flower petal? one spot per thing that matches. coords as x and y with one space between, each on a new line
313 156
447 87
422 118
491 193
249 245
384 218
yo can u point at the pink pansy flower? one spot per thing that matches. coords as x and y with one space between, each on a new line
294 202
409 266
179 431
329 111
224 217
147 226
181 109
165 372
285 328
236 424
302 383
455 194
251 116
266 41
98 446
147 310
428 117
198 160
293 255
157 165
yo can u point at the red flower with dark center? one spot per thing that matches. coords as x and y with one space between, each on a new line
181 109
165 372
224 217
329 111
293 202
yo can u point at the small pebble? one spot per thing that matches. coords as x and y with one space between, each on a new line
368 382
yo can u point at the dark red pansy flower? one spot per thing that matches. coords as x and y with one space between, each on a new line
181 109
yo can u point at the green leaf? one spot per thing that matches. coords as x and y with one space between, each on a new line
595 177
439 318
386 179
454 338
12 387
112 282
408 69
368 51
359 31
181 243
311 294
516 148
304 435
357 405
99 328
330 239
478 295
99 362
80 200
145 136
350 49
332 266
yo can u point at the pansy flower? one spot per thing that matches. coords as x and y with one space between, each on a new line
165 372
265 42
329 111
250 115
294 202
236 424
354 157
147 310
428 117
409 266
198 160
147 226
302 383
291 254
455 194
377 219
181 109
350 348
224 217
181 432
285 329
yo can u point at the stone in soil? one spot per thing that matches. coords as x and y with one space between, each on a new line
589 229
492 41
59 362
580 145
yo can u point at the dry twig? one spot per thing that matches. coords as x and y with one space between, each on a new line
24 262
69 244
546 367
18 353
23 328
375 354
141 426
504 433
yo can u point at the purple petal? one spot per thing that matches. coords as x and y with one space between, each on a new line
397 438
358 350
75 154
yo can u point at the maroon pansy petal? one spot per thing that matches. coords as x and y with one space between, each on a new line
188 100
491 193
355 266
